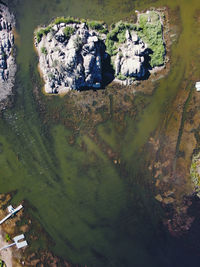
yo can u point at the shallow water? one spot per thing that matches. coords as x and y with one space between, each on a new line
98 213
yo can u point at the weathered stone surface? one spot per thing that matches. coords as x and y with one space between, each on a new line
72 63
129 61
7 62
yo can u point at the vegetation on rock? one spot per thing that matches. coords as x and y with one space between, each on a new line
43 31
44 50
98 26
68 20
117 36
68 31
150 31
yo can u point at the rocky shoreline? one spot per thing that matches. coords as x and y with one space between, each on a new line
7 60
79 54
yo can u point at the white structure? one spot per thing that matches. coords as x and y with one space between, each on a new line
11 211
197 85
17 243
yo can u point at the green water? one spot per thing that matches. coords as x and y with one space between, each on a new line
98 213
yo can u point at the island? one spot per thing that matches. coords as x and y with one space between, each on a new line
7 60
81 54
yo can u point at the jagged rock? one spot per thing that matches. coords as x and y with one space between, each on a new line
129 61
72 55
71 63
7 63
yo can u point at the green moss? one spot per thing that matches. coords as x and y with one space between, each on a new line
41 32
68 20
150 31
121 77
8 238
98 26
111 48
68 31
44 50
117 36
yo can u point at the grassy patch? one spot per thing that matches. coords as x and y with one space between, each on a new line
150 31
117 36
68 20
111 48
42 32
68 31
98 26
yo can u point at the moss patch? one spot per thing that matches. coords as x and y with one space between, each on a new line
68 31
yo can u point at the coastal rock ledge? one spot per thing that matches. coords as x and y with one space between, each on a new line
81 54
7 61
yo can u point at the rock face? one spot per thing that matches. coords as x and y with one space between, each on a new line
130 59
71 62
7 62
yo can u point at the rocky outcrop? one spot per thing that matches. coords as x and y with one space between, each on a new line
130 59
72 62
7 62
75 54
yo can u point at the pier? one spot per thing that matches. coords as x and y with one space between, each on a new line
11 211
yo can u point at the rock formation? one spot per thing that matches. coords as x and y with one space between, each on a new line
72 62
130 59
7 62
73 55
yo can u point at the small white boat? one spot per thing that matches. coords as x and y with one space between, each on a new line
197 85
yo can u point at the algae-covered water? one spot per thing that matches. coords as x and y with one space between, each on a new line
98 213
